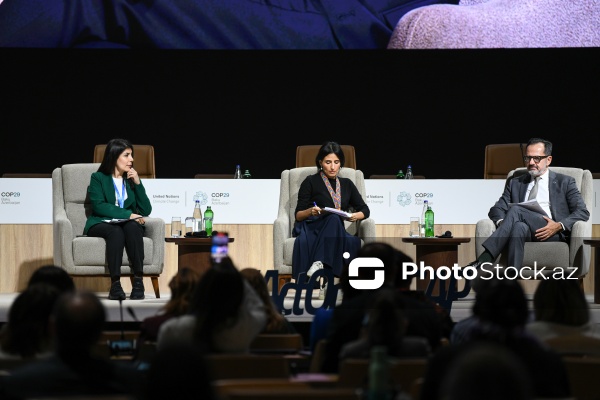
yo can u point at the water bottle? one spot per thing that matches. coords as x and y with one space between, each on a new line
208 221
400 175
422 228
197 217
409 174
379 388
429 222
238 172
247 174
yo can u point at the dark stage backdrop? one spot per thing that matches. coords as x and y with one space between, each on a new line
205 111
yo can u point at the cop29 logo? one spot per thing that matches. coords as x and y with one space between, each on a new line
366 262
202 197
403 198
10 194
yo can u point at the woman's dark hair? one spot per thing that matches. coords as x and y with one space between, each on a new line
26 332
255 278
114 148
561 301
328 148
216 301
53 275
183 286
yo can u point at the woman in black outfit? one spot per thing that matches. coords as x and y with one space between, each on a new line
320 235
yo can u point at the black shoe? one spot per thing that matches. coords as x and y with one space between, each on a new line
137 292
475 283
116 291
475 264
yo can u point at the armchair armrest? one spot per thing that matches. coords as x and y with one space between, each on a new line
281 232
155 230
579 254
366 230
63 240
483 230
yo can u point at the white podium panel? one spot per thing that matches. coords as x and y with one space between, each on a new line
255 201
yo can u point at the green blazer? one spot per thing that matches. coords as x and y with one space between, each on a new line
103 199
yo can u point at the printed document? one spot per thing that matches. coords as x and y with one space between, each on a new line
532 205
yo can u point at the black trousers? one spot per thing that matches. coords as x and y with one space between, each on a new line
125 235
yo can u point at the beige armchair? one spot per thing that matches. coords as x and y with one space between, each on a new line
499 24
283 242
86 256
575 255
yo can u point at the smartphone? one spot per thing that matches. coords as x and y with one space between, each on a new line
220 243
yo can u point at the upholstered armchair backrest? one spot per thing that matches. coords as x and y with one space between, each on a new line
74 180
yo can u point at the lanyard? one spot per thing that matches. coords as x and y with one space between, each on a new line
120 196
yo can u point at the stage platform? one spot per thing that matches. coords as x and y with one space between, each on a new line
137 310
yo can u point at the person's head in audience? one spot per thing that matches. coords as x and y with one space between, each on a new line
561 301
216 301
386 324
385 252
26 333
78 320
182 286
501 309
276 322
53 275
487 371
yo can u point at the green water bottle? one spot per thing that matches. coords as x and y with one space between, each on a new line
400 175
379 375
208 221
429 232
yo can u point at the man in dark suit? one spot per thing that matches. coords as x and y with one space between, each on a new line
203 24
558 196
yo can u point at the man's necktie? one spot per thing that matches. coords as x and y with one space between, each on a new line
534 189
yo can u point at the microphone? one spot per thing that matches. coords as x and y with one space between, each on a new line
132 313
122 347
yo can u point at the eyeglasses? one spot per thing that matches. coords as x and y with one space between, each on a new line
536 159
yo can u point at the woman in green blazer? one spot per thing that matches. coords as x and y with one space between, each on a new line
118 195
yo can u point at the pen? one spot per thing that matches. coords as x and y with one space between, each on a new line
315 203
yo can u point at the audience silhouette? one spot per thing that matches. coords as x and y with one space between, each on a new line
225 314
501 312
77 321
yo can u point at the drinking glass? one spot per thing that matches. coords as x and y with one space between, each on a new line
414 227
189 224
176 227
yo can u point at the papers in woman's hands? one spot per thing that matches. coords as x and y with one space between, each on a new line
117 220
338 212
532 205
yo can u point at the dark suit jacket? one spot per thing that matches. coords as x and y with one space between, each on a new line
204 24
103 198
566 204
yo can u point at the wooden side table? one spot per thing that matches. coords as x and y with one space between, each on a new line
193 252
595 244
437 252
